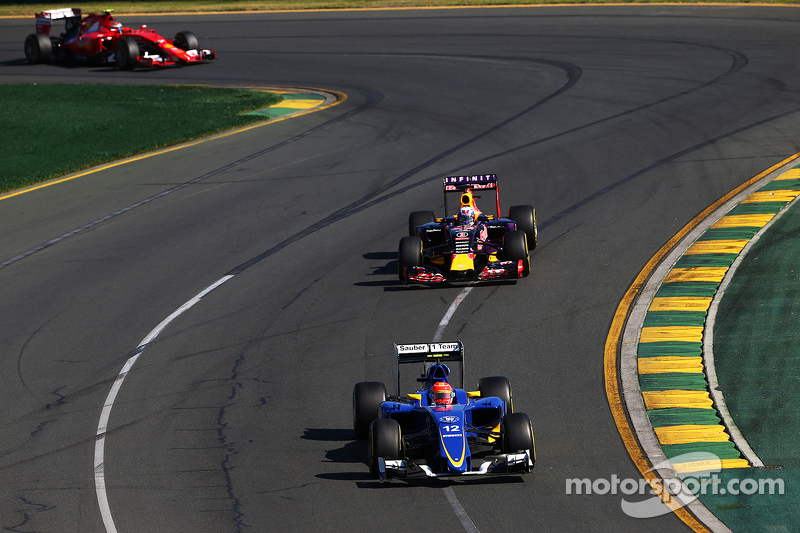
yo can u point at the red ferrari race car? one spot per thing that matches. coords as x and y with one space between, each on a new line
99 38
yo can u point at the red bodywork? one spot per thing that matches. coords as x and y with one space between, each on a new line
96 37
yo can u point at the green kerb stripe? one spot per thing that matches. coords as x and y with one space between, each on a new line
679 416
764 208
687 288
723 450
778 185
674 318
673 381
706 260
679 348
717 234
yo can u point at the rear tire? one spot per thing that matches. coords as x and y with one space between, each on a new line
517 434
385 440
497 386
126 54
38 48
515 248
418 218
525 217
186 40
367 398
408 255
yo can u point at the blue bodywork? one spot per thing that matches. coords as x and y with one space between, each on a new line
461 439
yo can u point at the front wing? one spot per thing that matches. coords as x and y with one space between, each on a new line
168 58
493 271
502 464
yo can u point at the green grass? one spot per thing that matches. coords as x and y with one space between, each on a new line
51 130
23 8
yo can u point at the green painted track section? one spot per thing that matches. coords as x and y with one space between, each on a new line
757 356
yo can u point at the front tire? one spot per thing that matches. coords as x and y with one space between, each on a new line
126 54
409 254
367 399
385 440
186 40
525 217
515 248
418 218
38 48
518 434
499 387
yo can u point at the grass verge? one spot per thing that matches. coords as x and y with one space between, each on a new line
51 130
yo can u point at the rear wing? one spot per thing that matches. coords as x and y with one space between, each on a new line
428 353
459 184
44 20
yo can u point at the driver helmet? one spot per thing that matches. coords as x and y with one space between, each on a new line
442 393
466 215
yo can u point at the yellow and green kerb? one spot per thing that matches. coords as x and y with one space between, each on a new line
670 351
292 102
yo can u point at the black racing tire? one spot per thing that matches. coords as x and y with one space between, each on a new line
38 48
367 398
385 440
497 386
525 217
409 254
186 40
418 218
126 54
515 248
517 434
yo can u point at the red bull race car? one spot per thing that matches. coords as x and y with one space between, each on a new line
441 430
98 38
470 245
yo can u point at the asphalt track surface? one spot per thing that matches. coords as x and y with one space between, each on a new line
619 124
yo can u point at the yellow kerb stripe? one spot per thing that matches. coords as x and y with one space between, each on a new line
731 246
743 221
699 466
789 175
677 363
696 274
691 433
771 196
672 333
298 104
678 303
677 398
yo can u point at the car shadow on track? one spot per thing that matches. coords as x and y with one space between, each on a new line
354 451
438 483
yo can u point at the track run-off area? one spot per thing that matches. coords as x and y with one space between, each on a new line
622 125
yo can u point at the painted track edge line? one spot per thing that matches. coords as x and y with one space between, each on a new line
426 8
618 343
458 509
339 98
105 414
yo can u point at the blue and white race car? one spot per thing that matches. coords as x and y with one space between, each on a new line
441 430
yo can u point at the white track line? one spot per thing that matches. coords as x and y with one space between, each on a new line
462 515
102 426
